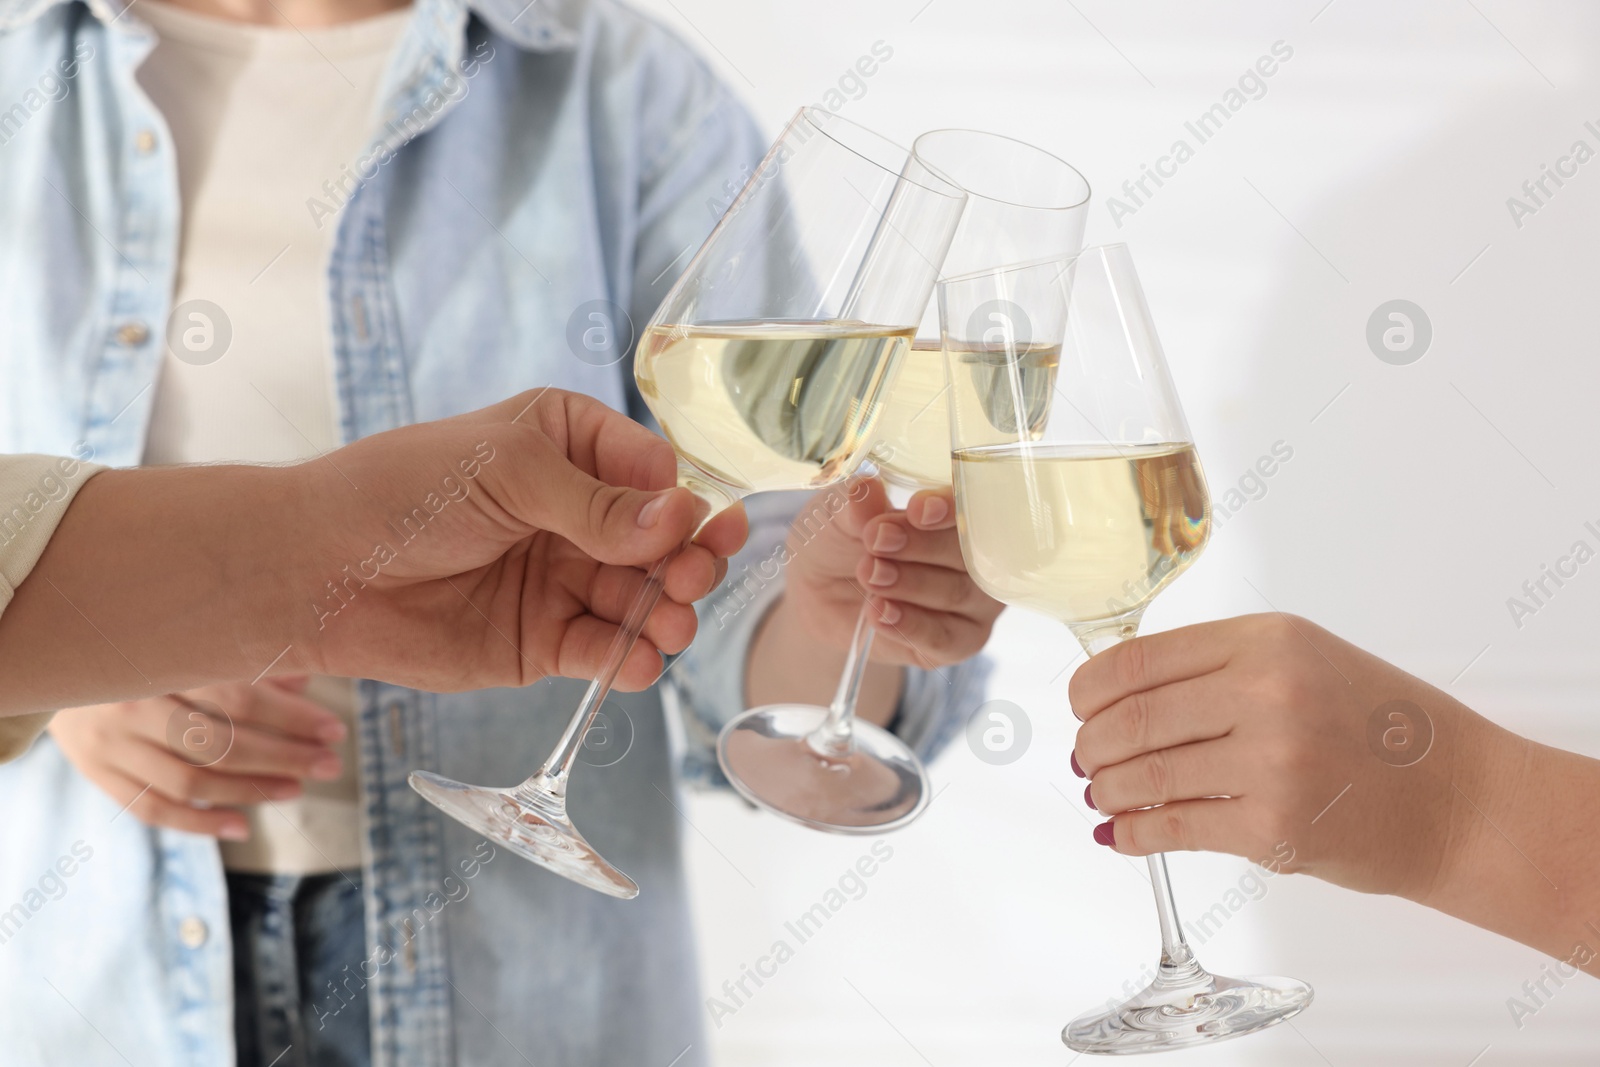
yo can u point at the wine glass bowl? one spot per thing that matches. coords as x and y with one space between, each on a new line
1079 494
1023 204
754 406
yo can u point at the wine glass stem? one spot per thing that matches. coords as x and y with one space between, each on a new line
832 738
1175 951
552 777
1177 958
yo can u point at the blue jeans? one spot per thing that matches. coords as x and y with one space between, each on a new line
296 942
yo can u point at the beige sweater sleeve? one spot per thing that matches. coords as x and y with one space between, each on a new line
34 494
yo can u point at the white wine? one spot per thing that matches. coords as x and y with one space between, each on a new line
913 448
1085 534
768 405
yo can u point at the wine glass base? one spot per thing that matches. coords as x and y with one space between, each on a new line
532 824
877 784
1166 1016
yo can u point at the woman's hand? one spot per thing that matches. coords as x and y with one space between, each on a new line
847 548
173 761
1270 738
906 565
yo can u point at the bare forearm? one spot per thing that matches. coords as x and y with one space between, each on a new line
155 580
788 665
1522 861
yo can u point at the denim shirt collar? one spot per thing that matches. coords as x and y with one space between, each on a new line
536 25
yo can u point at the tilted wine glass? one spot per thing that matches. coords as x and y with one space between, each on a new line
766 364
1079 495
821 766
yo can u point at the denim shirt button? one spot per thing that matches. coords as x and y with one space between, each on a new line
397 727
144 142
133 334
193 932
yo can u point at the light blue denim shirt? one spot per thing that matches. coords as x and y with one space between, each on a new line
529 159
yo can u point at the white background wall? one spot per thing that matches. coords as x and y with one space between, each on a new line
1419 498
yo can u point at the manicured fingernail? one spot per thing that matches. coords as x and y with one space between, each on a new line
1075 768
325 770
889 612
890 538
884 574
234 831
934 510
1087 799
1104 834
331 731
652 511
282 791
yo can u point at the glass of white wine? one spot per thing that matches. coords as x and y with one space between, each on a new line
766 365
1079 495
821 766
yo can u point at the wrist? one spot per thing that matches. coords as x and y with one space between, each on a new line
791 661
1476 773
772 631
1518 861
280 539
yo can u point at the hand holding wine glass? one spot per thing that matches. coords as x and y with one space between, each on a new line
1258 723
1261 723
927 610
576 495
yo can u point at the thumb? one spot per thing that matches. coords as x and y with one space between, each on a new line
864 499
612 523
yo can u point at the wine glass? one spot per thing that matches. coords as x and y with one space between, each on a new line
766 365
1079 494
822 767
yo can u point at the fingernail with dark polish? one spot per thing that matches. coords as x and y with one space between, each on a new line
1075 768
1087 799
1104 834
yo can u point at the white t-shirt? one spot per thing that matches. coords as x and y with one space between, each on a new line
261 117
